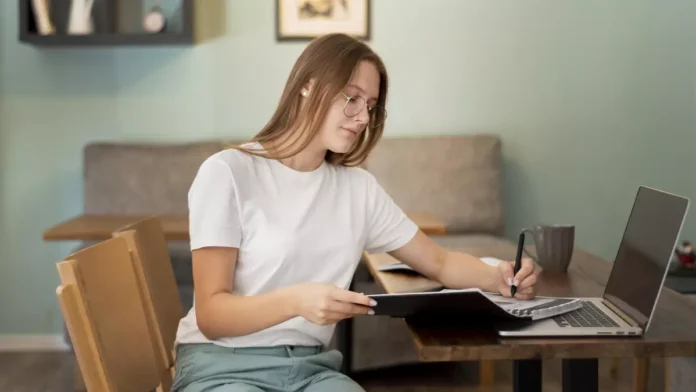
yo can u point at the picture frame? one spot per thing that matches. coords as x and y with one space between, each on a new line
304 20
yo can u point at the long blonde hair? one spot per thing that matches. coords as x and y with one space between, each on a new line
330 61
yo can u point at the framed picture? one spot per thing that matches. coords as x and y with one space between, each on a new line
307 19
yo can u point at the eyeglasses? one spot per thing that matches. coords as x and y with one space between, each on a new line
354 105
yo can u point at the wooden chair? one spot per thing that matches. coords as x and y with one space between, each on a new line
106 318
156 281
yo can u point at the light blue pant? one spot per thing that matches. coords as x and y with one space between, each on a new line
208 367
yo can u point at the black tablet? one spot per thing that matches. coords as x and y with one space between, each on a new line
438 303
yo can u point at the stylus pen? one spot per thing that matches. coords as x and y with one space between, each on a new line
518 262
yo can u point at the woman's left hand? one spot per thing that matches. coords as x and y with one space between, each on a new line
525 280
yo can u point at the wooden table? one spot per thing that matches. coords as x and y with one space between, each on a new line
176 227
672 332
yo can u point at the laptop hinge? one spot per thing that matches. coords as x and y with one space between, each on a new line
620 313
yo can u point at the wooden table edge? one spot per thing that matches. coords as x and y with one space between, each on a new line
428 225
55 232
569 350
434 231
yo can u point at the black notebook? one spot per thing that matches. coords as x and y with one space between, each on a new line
471 302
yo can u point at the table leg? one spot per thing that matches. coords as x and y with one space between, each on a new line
641 368
527 375
486 373
580 375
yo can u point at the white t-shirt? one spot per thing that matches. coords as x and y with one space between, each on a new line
291 227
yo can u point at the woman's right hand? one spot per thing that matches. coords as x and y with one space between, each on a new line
324 304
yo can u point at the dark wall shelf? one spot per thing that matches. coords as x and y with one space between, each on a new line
108 39
105 34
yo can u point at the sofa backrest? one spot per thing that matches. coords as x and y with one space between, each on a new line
457 179
142 178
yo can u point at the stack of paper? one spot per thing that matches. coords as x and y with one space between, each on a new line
536 309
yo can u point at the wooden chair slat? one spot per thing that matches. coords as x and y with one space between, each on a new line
147 242
78 325
106 277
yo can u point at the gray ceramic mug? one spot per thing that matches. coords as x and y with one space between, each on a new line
554 246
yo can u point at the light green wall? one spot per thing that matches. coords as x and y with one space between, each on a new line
592 99
3 260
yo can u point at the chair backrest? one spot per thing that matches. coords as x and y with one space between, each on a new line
153 268
106 319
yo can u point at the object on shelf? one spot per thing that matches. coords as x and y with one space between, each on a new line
81 21
685 254
89 23
42 16
154 21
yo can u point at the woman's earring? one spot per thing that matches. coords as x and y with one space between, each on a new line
304 93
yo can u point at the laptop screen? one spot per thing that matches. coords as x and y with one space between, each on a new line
644 252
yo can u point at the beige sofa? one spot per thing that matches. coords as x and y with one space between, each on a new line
455 178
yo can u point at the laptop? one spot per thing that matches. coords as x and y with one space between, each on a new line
637 275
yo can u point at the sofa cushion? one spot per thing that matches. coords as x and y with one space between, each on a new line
147 178
457 179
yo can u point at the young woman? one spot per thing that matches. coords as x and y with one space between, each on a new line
278 226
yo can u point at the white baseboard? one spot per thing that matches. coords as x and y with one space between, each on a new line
54 342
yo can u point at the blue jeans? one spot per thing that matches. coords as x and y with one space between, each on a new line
208 367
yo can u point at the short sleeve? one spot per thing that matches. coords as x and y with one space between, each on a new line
213 212
388 227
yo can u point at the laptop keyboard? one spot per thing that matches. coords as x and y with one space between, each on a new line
588 316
